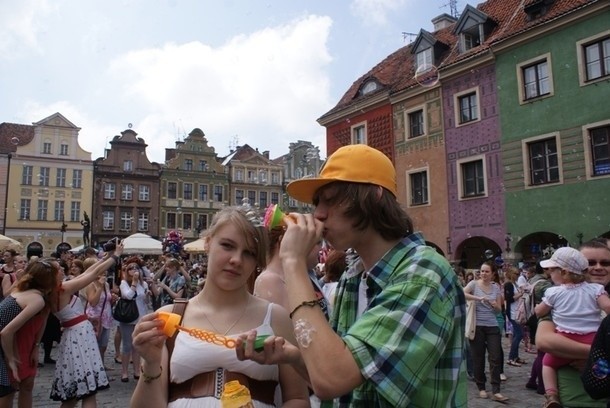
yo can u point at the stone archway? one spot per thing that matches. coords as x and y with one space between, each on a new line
473 251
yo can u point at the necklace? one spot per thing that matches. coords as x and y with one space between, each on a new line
234 323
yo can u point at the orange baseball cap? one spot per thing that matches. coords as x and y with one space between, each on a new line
353 163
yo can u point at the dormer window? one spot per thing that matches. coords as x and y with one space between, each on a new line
369 87
473 28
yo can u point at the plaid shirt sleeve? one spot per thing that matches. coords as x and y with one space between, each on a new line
409 342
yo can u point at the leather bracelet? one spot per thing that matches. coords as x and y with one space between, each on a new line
149 378
308 303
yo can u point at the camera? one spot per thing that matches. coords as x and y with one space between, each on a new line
111 245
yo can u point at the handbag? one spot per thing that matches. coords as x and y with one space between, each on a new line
125 310
471 319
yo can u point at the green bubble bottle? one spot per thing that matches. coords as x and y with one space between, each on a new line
236 395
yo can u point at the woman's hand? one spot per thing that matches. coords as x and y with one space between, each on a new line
149 339
13 364
118 251
276 350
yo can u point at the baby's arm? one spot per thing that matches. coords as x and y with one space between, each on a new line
604 303
542 309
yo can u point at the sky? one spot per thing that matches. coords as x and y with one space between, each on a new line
243 71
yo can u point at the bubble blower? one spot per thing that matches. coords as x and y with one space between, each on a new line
274 217
172 324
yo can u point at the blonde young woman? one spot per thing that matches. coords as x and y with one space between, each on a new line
236 248
98 307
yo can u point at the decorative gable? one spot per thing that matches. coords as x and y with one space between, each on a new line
473 28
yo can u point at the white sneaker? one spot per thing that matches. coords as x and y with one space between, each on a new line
503 377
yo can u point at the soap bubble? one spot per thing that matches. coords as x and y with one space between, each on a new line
427 75
15 141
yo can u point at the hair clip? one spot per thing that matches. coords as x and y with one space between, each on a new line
251 213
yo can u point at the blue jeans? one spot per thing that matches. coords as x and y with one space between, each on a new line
513 354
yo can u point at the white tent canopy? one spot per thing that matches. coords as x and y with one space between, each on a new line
195 247
9 243
142 244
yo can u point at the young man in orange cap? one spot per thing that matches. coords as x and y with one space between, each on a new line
396 337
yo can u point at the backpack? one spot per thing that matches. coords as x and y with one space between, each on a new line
526 305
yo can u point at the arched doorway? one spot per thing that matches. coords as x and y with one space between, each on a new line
539 245
473 251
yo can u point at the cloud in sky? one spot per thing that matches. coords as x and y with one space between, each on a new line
375 12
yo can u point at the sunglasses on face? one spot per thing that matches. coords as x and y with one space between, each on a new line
605 263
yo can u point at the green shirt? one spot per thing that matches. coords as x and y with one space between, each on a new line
409 341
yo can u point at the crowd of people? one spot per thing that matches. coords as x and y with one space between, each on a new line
343 307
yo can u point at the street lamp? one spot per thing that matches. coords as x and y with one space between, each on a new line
64 227
9 156
508 238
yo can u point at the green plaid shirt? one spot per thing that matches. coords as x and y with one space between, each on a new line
409 341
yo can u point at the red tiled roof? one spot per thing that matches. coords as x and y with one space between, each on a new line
13 135
397 72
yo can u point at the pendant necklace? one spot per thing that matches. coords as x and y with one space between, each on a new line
234 323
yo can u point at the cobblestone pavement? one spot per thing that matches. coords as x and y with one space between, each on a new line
119 393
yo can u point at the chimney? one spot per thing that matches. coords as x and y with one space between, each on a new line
442 21
266 154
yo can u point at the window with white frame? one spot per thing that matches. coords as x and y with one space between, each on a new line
239 196
359 134
542 160
203 165
424 58
143 221
60 180
596 57
170 220
598 154
128 165
27 175
127 192
262 176
109 191
63 150
77 178
467 106
45 172
43 207
25 209
58 213
535 78
472 177
369 87
46 148
275 177
418 187
143 192
203 192
74 211
218 193
126 219
172 190
415 123
188 164
262 199
187 221
187 191
252 196
239 175
107 220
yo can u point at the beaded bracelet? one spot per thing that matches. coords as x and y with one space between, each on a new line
308 303
149 378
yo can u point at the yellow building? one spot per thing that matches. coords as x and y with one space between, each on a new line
50 185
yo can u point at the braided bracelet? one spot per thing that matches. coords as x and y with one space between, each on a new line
308 303
149 378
